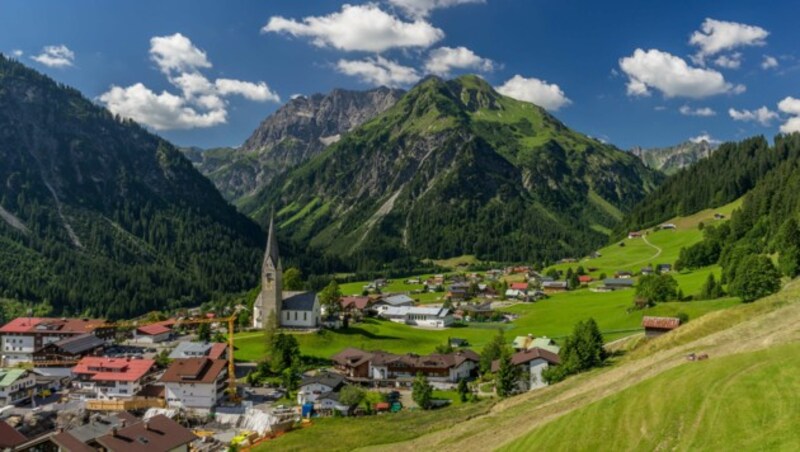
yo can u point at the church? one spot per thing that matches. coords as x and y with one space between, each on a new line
292 309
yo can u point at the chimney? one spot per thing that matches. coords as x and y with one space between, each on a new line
122 423
113 431
147 425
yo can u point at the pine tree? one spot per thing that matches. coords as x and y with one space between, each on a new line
422 391
507 374
463 390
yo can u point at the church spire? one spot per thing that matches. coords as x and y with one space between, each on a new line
272 242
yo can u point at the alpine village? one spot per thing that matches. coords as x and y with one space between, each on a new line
428 259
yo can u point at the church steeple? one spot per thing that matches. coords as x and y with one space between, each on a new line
271 298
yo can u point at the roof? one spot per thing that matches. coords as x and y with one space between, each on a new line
519 286
351 356
618 282
157 434
527 356
661 323
355 302
102 368
69 443
194 370
43 324
529 342
398 311
397 300
97 425
328 379
438 312
153 330
9 436
354 357
10 375
81 343
330 395
585 278
558 284
299 301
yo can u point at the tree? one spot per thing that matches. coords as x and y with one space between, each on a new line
653 289
330 298
422 391
270 331
553 273
492 351
573 282
507 374
445 348
243 319
293 279
580 270
582 350
285 351
711 289
756 277
290 376
351 395
463 390
162 359
204 332
789 261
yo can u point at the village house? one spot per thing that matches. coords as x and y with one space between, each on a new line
329 401
10 438
430 317
585 279
623 274
664 268
23 336
476 311
610 284
211 350
634 235
70 349
646 271
668 226
362 366
356 306
392 301
111 377
16 385
554 286
522 343
311 388
532 362
152 334
458 291
195 383
656 326
157 434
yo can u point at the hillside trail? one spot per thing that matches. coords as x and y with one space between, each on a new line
520 415
658 252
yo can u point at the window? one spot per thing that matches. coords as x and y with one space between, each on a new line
295 315
287 315
305 316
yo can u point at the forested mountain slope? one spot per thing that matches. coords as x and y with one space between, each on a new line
100 217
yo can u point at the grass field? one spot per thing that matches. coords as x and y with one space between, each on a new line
748 401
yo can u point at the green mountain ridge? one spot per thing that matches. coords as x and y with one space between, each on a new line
455 168
100 217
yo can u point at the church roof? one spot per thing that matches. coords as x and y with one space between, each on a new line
299 301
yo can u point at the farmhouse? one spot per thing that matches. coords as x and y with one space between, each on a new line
393 301
617 283
359 365
646 271
634 235
623 274
311 388
195 383
585 279
477 311
554 286
356 304
157 434
16 385
70 349
212 350
533 361
152 334
329 401
111 377
664 268
656 326
522 343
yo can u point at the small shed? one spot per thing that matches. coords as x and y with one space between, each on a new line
656 326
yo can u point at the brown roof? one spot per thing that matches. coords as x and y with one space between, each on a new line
158 434
356 302
9 436
661 323
527 356
194 370
354 357
69 443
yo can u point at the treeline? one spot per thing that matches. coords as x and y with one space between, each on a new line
730 172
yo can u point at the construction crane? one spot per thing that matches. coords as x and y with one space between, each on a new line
231 320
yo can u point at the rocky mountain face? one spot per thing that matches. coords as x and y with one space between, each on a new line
100 217
298 131
671 159
455 168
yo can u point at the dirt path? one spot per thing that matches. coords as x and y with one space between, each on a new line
658 252
517 416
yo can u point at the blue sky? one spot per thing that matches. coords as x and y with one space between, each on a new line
630 72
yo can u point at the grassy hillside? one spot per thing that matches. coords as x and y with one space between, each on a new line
747 401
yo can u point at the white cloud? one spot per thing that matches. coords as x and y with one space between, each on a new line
702 111
672 76
55 56
732 61
160 111
177 53
423 8
259 92
704 137
201 102
16 53
716 36
444 59
379 71
547 95
761 115
790 106
358 27
769 62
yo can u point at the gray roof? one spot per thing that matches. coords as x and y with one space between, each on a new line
190 349
328 379
618 282
396 300
329 396
300 301
80 343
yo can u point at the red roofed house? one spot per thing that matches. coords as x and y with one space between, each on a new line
21 337
656 326
585 279
534 361
111 377
195 383
518 286
153 333
356 304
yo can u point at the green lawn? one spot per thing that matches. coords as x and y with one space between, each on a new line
740 402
